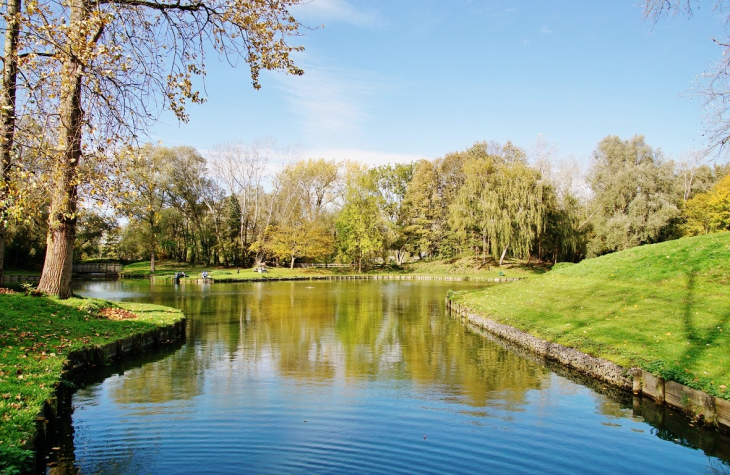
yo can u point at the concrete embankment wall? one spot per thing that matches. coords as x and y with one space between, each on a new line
48 419
711 410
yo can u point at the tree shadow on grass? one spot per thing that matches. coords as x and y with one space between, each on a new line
700 338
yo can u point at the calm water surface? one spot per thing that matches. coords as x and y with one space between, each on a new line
360 376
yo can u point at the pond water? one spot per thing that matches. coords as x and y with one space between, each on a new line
357 376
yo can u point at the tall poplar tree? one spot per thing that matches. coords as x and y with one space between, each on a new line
423 206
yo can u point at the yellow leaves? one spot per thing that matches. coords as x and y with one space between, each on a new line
709 212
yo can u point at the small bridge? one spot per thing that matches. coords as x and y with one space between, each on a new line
79 270
20 278
97 269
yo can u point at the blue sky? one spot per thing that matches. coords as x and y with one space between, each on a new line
398 80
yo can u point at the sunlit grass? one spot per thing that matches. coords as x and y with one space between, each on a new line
474 267
663 307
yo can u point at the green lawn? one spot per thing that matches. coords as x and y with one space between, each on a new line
663 307
36 335
473 267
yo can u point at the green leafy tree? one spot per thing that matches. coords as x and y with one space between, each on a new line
188 190
564 238
422 209
392 182
502 201
360 227
146 190
451 177
93 228
635 197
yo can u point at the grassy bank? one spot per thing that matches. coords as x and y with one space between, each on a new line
473 267
457 267
662 307
36 335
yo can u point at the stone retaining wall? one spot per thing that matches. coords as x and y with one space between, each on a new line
47 421
712 411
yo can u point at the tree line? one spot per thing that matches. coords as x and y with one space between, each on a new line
247 204
83 80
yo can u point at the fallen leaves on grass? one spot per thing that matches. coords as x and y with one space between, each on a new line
117 314
3 290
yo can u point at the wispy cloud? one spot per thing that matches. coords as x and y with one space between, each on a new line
325 11
330 100
545 30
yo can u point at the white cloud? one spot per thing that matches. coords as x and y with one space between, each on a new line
545 30
323 11
330 101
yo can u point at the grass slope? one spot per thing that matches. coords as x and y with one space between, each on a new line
473 267
36 335
663 307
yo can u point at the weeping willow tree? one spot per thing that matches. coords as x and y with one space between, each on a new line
502 202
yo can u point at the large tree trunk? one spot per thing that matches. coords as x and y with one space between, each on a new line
292 263
7 114
56 276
